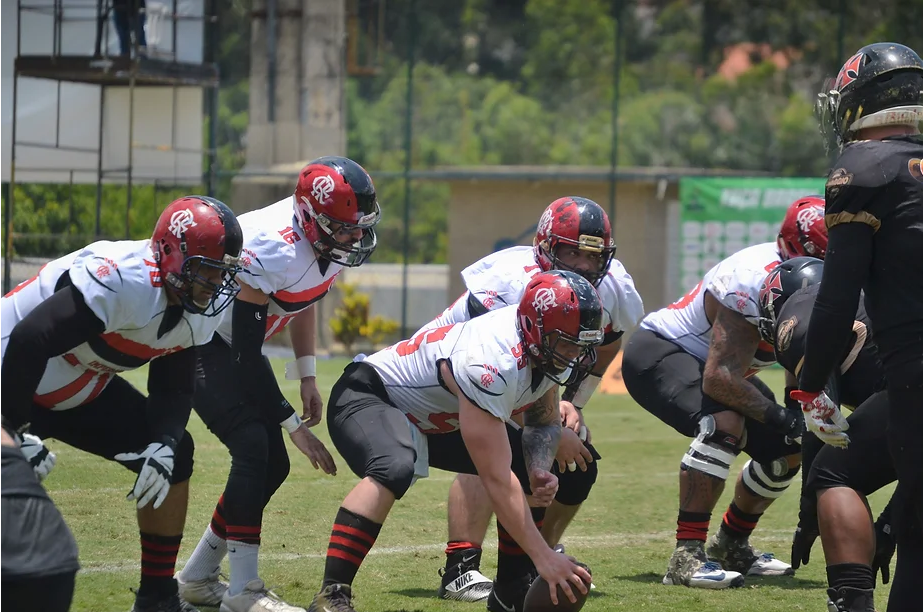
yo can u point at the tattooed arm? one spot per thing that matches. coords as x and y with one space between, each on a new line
733 344
542 431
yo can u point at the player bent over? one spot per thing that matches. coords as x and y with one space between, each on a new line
692 365
106 309
443 398
293 252
573 234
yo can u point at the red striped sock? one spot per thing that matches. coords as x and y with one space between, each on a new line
248 534
158 563
219 525
692 525
351 539
512 560
737 523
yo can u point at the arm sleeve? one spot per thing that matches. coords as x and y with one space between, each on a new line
252 372
170 389
55 326
846 268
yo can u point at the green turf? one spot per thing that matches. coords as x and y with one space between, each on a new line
624 532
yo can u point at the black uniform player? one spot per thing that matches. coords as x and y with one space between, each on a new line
39 551
874 218
836 482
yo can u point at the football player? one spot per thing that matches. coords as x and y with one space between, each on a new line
573 234
692 365
836 481
39 552
875 219
293 252
111 307
443 398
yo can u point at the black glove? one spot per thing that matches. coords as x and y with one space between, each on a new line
884 548
801 545
789 423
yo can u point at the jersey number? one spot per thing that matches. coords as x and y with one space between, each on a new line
686 299
411 346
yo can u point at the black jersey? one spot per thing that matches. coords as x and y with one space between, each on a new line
858 372
875 222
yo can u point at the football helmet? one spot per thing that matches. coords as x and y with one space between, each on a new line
580 223
803 230
197 243
881 84
336 205
784 280
560 323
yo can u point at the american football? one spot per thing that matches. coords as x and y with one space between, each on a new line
538 599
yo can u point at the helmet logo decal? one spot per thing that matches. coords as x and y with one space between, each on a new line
544 224
180 221
544 300
807 217
321 188
915 167
849 72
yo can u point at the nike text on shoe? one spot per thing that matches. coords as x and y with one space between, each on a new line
171 603
736 554
463 581
206 592
255 598
333 598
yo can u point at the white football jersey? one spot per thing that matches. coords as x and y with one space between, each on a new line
500 279
735 283
121 284
487 360
278 260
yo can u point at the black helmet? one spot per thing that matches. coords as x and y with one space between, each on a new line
882 84
784 280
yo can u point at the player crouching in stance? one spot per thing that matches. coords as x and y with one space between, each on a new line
293 252
106 309
443 398
692 365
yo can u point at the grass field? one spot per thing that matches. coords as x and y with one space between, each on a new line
624 532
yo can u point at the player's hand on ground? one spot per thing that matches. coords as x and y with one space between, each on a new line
823 417
311 402
570 416
153 481
314 450
572 453
802 542
544 487
560 570
37 454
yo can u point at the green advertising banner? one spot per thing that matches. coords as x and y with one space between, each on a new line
720 216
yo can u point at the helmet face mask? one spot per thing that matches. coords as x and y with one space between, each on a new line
574 234
206 286
779 285
337 240
566 359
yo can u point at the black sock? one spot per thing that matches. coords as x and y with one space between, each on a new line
158 564
853 575
350 541
512 560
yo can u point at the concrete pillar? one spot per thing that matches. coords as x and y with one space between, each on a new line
323 128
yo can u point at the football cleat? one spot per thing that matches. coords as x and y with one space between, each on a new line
205 592
333 598
848 599
736 554
463 581
689 566
255 598
510 596
159 603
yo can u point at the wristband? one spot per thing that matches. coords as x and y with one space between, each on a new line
302 367
292 423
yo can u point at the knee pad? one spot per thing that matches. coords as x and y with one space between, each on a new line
574 487
183 459
395 472
712 451
769 479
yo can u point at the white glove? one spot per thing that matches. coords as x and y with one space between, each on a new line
37 454
153 480
823 417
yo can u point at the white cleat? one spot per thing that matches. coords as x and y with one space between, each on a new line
766 564
205 592
709 576
255 598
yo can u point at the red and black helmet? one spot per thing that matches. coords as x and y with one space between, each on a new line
577 222
196 235
803 231
335 200
560 311
784 280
